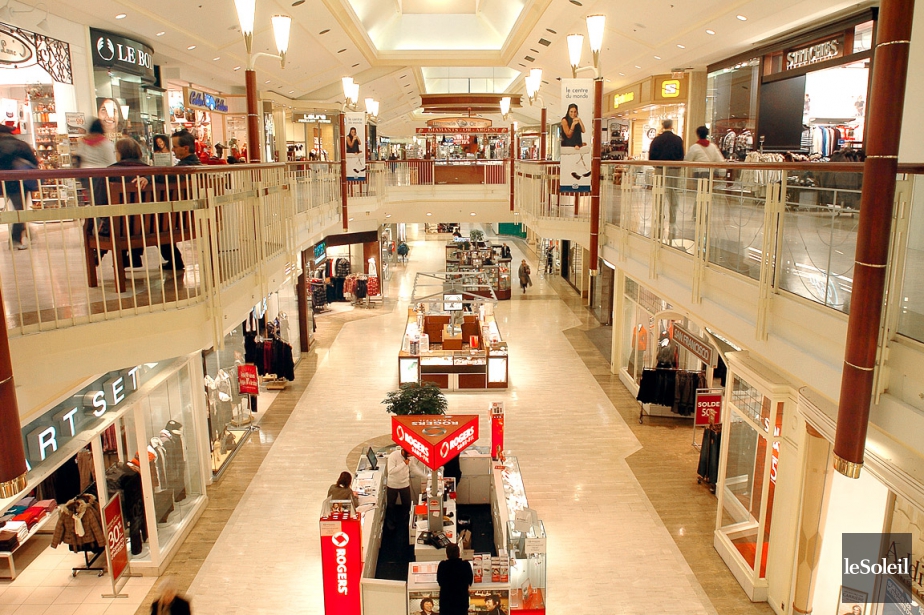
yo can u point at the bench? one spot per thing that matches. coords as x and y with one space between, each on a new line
123 233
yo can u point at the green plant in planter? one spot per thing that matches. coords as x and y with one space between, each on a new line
466 245
413 398
476 236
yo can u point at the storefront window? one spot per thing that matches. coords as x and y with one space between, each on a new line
229 413
731 106
749 401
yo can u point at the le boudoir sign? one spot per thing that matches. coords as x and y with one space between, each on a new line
83 411
114 51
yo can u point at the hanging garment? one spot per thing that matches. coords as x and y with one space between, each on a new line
85 468
657 387
79 524
708 469
283 363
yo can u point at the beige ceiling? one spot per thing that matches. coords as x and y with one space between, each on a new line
334 38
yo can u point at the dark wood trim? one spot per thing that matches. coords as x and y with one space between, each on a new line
811 68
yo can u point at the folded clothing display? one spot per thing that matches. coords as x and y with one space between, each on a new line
8 540
31 516
48 505
19 527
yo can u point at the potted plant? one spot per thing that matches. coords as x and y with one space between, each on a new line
413 398
476 236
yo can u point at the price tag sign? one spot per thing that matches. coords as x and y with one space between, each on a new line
534 546
329 528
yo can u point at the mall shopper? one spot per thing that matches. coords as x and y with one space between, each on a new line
16 155
549 261
454 576
505 251
668 147
397 485
95 150
169 602
703 151
341 489
183 144
523 273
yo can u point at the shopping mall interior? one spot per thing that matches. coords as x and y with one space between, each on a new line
444 235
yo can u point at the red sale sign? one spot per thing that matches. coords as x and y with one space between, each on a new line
435 439
115 538
708 407
341 563
247 379
497 429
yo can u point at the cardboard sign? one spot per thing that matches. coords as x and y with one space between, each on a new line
434 440
708 407
341 565
115 538
248 382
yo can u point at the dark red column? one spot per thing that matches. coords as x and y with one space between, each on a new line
344 192
12 455
253 119
513 158
883 129
544 134
595 176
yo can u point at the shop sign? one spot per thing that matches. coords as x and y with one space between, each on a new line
115 538
114 51
320 252
700 349
311 118
203 100
459 122
669 89
434 440
82 411
247 380
621 99
817 52
13 49
708 407
341 564
497 429
461 131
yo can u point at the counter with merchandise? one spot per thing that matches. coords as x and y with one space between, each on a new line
516 576
496 275
467 356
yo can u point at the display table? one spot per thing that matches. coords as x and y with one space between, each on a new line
448 359
419 524
496 275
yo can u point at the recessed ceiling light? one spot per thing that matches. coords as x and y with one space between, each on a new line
742 17
298 2
291 91
472 214
551 30
191 47
657 57
161 33
622 74
350 220
267 81
710 31
237 68
355 65
429 214
342 50
121 16
388 215
216 58
681 46
324 31
637 66
577 3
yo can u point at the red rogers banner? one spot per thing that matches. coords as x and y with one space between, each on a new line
341 563
115 538
434 439
708 407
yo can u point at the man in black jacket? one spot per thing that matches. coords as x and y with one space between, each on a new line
454 576
16 155
667 147
184 149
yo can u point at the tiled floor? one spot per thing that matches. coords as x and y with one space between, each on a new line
620 500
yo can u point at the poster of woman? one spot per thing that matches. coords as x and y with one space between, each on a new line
576 137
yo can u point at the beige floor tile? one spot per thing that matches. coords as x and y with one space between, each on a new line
43 595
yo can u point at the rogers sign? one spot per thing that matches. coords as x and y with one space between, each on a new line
341 564
435 441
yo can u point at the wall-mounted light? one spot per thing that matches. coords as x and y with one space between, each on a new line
575 48
246 9
350 91
505 106
282 25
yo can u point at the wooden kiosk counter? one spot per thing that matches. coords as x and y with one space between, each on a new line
470 355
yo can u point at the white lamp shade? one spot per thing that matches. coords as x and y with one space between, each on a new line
375 108
536 74
595 27
369 102
245 14
505 105
575 46
531 86
347 86
282 24
354 92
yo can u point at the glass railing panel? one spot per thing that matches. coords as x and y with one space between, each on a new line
736 221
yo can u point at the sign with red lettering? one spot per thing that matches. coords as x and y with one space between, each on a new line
434 439
497 429
247 379
341 563
708 407
461 131
115 538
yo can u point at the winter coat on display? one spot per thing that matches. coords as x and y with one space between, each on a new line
79 525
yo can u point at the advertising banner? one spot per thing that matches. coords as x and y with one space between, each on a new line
497 429
700 349
434 440
708 407
341 564
76 122
438 130
115 539
354 124
576 134
247 379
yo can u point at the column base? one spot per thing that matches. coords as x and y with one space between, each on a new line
850 469
11 487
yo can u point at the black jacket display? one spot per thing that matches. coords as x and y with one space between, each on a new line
673 388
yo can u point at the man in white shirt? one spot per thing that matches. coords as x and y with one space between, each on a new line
397 482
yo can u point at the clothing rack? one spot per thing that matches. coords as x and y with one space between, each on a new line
88 563
660 385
